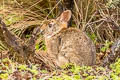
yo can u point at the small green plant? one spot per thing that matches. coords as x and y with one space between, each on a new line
40 46
33 69
75 69
22 67
90 78
28 36
115 70
4 76
93 37
116 67
106 46
102 78
37 46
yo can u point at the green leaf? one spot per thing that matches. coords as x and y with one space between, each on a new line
90 78
4 76
22 67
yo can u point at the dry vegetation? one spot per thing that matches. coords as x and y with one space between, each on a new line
100 19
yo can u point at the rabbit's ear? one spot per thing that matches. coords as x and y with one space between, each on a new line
65 16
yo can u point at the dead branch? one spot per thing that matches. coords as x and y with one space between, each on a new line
14 43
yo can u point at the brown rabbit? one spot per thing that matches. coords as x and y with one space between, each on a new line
67 45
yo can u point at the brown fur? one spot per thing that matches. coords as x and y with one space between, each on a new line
69 45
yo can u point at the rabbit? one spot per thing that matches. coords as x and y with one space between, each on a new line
67 45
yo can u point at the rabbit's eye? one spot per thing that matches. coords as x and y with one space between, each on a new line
50 25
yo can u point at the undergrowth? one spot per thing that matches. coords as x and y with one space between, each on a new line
13 71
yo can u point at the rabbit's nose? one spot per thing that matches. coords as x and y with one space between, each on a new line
50 25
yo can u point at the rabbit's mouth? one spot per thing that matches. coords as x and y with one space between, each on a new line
48 36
